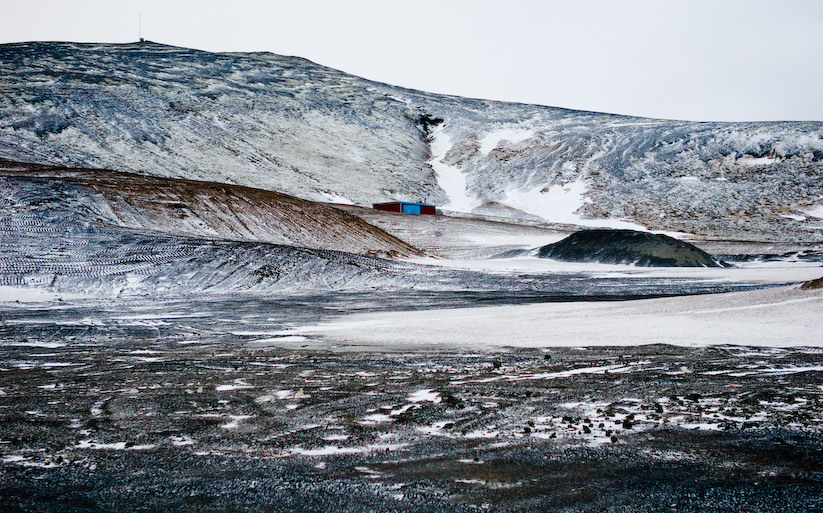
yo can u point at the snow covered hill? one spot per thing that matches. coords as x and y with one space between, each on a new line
100 234
286 124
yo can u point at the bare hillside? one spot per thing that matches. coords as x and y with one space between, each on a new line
199 209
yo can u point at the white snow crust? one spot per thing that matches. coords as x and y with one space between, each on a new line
450 178
510 135
777 317
560 204
752 161
30 295
815 211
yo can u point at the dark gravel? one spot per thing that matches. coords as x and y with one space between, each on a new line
110 409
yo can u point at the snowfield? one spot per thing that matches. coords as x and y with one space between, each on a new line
781 317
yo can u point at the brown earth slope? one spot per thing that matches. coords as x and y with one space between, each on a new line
213 210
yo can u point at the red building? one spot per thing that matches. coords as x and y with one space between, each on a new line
406 207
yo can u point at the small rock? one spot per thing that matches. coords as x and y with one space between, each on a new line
450 400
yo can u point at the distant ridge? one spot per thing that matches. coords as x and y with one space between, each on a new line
289 125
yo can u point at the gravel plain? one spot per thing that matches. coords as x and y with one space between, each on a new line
216 405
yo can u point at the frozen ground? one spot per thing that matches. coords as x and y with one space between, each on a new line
236 401
191 340
217 371
147 369
191 405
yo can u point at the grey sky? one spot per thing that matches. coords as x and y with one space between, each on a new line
724 60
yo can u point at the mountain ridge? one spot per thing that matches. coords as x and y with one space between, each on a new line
290 125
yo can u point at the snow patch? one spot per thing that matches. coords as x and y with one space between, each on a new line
331 450
336 198
21 295
512 136
117 446
237 385
179 441
815 211
748 161
290 338
376 418
235 421
425 396
450 178
559 204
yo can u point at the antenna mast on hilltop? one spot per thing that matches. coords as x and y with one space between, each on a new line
140 26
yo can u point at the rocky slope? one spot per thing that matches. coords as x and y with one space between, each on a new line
286 124
190 208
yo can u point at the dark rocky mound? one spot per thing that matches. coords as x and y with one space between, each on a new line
813 284
628 247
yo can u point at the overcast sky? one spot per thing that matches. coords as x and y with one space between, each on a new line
718 60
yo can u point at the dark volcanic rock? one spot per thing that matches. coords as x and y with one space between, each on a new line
627 247
813 284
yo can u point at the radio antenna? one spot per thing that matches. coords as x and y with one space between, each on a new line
140 26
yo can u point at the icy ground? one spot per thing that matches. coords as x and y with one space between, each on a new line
178 356
206 338
778 317
192 406
229 398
